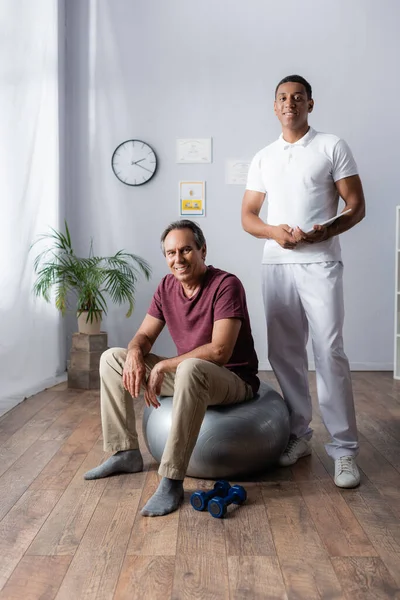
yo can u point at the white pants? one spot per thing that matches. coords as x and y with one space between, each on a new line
299 298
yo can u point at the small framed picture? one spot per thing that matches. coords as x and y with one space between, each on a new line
192 199
193 150
236 171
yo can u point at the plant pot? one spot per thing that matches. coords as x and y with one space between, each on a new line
88 327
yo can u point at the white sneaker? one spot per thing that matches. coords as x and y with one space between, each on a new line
296 448
347 474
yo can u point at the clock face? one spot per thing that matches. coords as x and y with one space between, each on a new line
134 162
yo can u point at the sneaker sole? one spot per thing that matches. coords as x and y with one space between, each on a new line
347 487
307 453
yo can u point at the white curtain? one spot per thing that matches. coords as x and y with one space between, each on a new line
32 342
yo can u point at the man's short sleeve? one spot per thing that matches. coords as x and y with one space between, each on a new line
344 164
254 179
230 300
155 309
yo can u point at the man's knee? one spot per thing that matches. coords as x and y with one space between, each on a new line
330 356
191 368
113 358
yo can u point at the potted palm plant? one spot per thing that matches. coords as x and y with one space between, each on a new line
90 279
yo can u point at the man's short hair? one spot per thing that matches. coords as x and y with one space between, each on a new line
199 238
296 79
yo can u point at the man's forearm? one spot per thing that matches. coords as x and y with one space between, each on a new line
256 227
140 343
210 352
346 222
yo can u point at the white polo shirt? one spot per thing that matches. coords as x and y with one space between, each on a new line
299 181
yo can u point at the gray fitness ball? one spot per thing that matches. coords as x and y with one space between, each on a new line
234 440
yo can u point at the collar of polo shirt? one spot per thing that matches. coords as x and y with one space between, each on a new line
304 141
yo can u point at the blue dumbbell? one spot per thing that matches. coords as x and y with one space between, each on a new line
199 500
217 507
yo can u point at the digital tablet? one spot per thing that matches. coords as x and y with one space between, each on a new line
329 221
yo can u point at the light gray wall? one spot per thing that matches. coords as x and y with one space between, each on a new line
159 71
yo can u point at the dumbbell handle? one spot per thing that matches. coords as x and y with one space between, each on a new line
232 498
237 494
206 495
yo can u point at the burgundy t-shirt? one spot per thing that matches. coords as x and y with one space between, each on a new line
190 320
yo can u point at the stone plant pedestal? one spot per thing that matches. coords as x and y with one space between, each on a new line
83 371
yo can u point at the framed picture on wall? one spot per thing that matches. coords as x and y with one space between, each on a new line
193 150
192 199
236 171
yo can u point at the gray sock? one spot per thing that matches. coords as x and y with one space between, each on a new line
125 461
166 499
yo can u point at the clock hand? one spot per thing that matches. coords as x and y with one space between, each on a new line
138 161
142 167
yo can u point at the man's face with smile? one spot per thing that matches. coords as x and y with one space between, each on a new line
291 105
184 259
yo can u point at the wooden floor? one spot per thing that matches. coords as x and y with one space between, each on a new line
298 536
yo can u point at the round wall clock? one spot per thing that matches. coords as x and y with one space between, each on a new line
134 162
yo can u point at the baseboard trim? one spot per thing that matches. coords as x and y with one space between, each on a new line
265 366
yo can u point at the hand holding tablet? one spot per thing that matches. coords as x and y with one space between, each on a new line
329 221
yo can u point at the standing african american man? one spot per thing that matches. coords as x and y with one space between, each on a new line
301 176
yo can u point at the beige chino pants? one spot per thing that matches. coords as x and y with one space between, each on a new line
195 385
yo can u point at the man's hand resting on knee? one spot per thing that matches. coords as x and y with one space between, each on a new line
153 386
134 373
